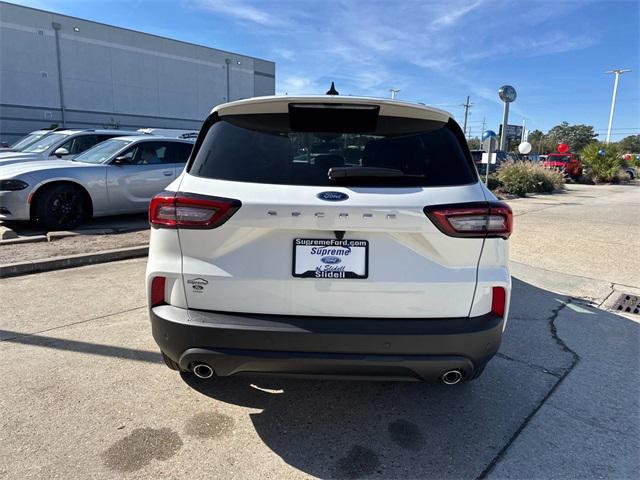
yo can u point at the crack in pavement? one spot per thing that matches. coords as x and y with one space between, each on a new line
531 365
612 288
593 424
534 210
575 359
27 334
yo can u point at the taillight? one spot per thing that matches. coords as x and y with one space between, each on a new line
157 291
185 210
498 300
472 220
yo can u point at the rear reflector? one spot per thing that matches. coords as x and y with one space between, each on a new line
472 220
157 291
182 210
498 299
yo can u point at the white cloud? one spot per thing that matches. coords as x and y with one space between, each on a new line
243 12
454 13
367 47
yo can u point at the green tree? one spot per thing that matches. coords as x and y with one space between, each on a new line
541 143
474 143
535 139
630 144
576 136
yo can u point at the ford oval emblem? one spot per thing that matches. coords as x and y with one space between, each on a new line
332 196
330 260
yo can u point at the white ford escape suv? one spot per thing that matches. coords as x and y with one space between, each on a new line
333 236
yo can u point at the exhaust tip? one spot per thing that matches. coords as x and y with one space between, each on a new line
451 377
202 370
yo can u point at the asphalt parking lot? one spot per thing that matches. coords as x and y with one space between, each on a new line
84 393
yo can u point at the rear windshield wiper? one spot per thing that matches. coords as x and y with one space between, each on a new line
336 173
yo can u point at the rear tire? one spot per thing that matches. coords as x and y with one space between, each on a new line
170 363
61 207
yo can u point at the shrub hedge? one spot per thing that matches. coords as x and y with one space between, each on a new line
520 178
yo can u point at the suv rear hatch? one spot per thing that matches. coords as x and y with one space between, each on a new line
323 211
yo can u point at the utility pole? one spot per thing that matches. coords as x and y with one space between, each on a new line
617 73
466 113
482 133
393 92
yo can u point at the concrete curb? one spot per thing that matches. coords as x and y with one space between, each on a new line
6 233
32 239
71 261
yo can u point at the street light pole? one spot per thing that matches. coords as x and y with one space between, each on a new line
393 92
617 73
505 120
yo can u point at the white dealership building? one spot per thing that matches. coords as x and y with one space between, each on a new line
56 69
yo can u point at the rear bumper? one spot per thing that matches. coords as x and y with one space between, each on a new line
413 349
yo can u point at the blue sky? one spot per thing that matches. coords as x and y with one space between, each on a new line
554 53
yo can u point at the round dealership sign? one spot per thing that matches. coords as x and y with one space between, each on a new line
524 148
507 93
489 134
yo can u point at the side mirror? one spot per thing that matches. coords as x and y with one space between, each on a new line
121 161
61 152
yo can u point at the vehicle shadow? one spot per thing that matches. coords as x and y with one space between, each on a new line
341 429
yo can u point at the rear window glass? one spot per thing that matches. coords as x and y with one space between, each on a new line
248 154
559 158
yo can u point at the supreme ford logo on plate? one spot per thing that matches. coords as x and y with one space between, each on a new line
330 258
332 196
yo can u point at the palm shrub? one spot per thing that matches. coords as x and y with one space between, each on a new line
604 162
520 178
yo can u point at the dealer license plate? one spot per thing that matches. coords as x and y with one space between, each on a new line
335 259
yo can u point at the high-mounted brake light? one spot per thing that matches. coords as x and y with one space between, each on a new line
182 210
472 220
157 291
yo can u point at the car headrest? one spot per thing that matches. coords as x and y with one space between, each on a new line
325 162
404 153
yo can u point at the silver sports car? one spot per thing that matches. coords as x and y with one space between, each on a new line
116 176
59 143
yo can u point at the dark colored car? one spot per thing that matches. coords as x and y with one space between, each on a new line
501 157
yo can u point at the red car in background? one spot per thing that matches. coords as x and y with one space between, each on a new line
568 163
